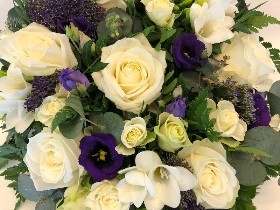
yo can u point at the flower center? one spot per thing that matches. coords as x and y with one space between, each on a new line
101 156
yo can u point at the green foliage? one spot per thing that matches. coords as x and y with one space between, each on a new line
165 34
251 150
5 64
63 115
245 197
273 97
45 204
274 53
17 17
198 114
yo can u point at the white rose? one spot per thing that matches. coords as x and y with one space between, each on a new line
134 75
248 62
160 12
171 132
52 160
104 196
37 51
227 120
217 184
49 108
211 24
108 4
275 122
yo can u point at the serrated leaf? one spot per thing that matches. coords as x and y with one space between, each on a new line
62 116
72 128
114 125
3 162
46 204
75 104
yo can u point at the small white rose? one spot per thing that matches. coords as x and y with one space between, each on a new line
171 132
108 4
52 160
104 196
160 12
275 122
134 75
227 120
37 51
217 184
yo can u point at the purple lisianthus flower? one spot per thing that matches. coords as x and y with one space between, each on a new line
177 107
262 115
99 157
80 22
69 78
188 52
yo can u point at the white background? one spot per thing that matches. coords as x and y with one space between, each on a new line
269 196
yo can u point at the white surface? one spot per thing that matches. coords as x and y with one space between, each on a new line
269 196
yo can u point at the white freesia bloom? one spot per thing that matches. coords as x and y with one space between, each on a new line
37 51
52 160
248 62
211 24
104 196
171 132
217 184
275 122
13 91
229 6
160 12
227 120
154 183
49 108
108 4
134 75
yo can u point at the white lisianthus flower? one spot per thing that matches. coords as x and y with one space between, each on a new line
104 196
154 183
248 62
211 24
217 184
52 160
134 75
48 109
134 134
227 120
171 132
108 4
13 92
160 12
37 51
275 122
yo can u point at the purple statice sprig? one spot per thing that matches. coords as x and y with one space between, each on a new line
70 79
42 87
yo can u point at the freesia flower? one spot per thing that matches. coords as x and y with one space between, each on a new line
69 78
99 157
275 122
154 183
177 107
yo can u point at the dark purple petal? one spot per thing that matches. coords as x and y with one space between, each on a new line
60 26
188 52
69 78
92 148
177 107
81 23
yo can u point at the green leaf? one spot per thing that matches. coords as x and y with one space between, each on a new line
3 162
13 172
27 189
170 87
229 142
97 67
274 53
251 150
114 125
166 33
273 97
149 30
190 80
75 104
245 197
72 127
87 53
97 118
63 115
46 204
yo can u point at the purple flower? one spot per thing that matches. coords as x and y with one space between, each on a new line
188 52
80 22
69 78
262 115
177 107
99 157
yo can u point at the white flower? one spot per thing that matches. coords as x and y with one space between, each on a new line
13 92
229 6
52 160
160 12
108 4
134 75
37 51
211 24
227 120
248 62
217 184
171 132
104 196
154 183
49 108
275 122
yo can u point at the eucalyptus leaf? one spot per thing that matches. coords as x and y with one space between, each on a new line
273 97
75 104
27 189
46 204
72 128
114 125
98 124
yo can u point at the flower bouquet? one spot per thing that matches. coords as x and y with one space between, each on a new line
138 104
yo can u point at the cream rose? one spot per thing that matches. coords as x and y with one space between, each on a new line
49 108
52 160
134 75
227 120
217 184
108 4
248 62
104 196
171 132
275 122
37 51
160 12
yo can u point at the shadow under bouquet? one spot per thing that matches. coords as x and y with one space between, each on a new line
129 104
